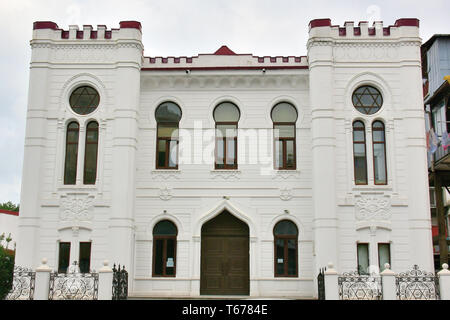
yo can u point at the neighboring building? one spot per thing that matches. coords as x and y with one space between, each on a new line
436 90
8 226
225 173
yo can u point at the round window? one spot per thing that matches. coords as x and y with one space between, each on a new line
84 100
367 99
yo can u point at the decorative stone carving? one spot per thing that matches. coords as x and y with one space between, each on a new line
372 208
76 207
165 175
286 194
285 174
226 174
165 193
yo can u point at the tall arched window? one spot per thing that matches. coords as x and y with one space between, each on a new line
359 152
164 249
90 155
70 164
379 153
284 115
226 115
286 251
168 116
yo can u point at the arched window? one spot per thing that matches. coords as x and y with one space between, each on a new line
284 115
286 250
164 249
168 116
226 115
90 155
70 164
359 152
379 153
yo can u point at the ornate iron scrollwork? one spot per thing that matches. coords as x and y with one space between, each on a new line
321 284
417 284
353 286
120 283
23 284
73 286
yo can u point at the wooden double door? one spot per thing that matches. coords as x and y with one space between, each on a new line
225 256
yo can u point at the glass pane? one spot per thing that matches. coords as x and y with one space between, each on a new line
279 256
226 112
158 268
170 257
367 99
85 257
165 228
278 154
292 261
290 155
359 156
384 255
379 163
64 256
284 112
285 227
167 131
161 153
378 136
84 100
284 131
226 130
231 154
168 112
358 136
363 258
90 164
219 153
173 157
70 166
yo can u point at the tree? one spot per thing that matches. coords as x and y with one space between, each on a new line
9 206
6 267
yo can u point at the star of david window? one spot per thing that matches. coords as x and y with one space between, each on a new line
84 100
367 99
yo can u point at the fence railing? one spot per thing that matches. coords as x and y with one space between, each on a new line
120 283
23 284
353 286
417 284
73 286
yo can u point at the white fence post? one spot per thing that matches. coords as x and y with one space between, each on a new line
331 283
444 282
42 281
105 280
388 283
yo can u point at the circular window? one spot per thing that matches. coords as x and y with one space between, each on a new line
367 99
84 100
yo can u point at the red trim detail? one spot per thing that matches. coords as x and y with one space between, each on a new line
357 31
319 23
407 22
371 31
225 68
13 213
224 51
131 25
45 25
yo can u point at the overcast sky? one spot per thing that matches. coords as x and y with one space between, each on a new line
177 28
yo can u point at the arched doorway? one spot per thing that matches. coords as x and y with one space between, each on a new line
225 256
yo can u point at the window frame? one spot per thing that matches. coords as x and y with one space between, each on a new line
357 256
373 151
96 151
283 143
59 255
67 143
167 141
90 255
363 129
225 139
388 244
285 239
165 239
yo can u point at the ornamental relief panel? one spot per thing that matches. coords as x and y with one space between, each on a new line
79 54
76 207
372 208
365 53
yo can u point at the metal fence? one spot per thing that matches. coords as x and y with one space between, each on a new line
73 286
417 284
321 284
353 286
120 283
23 284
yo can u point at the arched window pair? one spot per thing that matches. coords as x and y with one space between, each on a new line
83 100
378 149
90 153
226 116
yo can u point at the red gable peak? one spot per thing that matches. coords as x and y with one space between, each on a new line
224 51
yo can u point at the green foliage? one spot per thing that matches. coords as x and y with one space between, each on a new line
6 267
9 206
